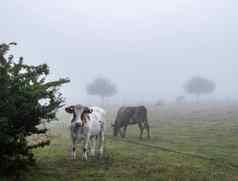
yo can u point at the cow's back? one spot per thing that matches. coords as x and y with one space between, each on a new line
140 113
97 120
131 115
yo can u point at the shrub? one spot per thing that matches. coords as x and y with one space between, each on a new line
26 98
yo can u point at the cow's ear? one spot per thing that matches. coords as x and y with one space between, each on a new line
69 109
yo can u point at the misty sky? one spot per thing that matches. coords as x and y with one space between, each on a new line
147 48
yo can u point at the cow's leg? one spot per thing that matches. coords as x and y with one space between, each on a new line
85 147
120 132
101 144
146 125
73 148
141 130
124 131
93 146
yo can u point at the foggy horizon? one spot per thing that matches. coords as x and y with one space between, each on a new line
148 49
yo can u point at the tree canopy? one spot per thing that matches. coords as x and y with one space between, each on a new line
102 87
199 85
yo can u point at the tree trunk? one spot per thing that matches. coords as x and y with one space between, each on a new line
102 100
197 98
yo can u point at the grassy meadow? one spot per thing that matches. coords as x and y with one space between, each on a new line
200 141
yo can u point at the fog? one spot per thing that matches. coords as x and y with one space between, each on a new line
147 48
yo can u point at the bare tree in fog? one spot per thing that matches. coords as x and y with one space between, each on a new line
180 99
102 87
198 86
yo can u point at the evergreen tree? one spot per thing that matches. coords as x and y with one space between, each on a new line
22 89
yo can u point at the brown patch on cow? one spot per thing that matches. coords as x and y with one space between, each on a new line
84 117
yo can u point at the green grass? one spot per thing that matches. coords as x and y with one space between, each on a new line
207 130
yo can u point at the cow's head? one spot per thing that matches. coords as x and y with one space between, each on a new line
80 114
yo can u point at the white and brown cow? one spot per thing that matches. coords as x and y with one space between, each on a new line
87 126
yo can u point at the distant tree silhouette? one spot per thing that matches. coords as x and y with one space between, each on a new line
198 86
102 87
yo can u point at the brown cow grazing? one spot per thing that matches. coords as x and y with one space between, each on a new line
131 115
